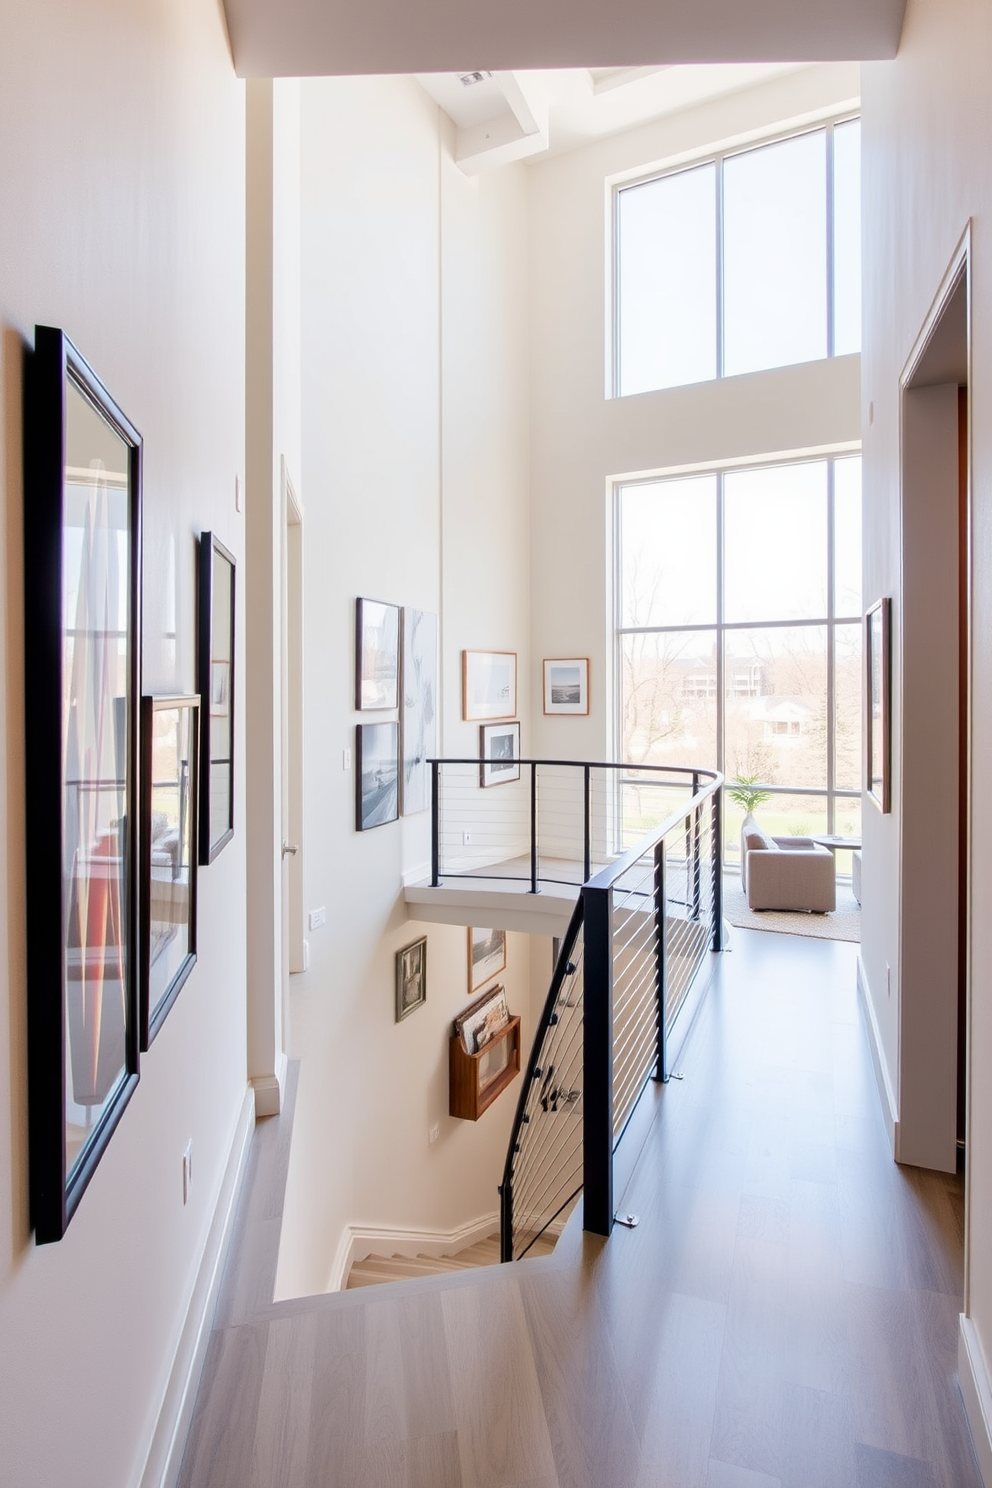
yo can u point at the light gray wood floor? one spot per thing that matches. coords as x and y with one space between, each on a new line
784 1315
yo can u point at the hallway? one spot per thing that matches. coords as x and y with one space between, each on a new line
783 1316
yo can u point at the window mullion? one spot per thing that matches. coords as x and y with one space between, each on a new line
831 659
830 242
718 179
721 752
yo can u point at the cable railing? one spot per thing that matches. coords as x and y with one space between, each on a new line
643 846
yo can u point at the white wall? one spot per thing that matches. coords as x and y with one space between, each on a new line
927 169
581 439
122 163
414 483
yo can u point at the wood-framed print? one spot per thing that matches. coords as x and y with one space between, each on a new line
82 608
376 774
486 957
418 712
411 978
489 685
215 679
169 838
878 703
377 654
499 753
566 684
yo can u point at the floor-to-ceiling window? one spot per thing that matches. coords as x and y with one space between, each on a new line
738 634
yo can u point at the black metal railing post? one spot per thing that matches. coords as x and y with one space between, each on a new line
718 869
533 827
506 1221
435 823
597 1056
661 954
587 821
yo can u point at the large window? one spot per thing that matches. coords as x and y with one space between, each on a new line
748 261
739 634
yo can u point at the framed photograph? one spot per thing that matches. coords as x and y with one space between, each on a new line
82 608
878 703
418 711
169 801
499 753
411 977
489 685
376 774
377 654
486 957
566 685
215 679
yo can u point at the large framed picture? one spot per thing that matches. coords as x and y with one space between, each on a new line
169 800
376 774
486 956
377 654
411 978
878 703
489 685
566 685
215 678
499 753
418 713
82 607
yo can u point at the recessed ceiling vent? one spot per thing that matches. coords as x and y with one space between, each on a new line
469 79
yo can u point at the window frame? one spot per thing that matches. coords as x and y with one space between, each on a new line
718 159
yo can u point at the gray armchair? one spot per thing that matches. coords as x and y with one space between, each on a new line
786 872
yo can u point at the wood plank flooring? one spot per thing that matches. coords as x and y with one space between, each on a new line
783 1316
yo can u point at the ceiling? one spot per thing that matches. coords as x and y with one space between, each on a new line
307 38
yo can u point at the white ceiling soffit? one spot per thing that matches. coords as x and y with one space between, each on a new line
313 38
506 116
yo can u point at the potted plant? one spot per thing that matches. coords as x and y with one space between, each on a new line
747 794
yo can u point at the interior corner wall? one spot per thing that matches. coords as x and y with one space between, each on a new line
414 484
926 171
582 440
122 178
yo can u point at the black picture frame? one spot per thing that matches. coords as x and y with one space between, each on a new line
82 614
499 753
377 767
169 856
216 679
411 978
878 704
377 655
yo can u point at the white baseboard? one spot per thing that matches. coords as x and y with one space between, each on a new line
359 1241
269 1090
976 1389
165 1454
890 1107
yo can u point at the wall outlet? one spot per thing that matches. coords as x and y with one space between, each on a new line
187 1170
318 917
466 839
346 759
433 1134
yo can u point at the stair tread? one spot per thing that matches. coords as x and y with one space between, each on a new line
373 1269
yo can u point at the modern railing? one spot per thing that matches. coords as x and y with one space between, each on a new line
642 929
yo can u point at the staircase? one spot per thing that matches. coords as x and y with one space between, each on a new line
377 1268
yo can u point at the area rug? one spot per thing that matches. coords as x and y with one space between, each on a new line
844 923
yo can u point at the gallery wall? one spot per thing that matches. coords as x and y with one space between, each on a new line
122 169
582 439
926 173
414 489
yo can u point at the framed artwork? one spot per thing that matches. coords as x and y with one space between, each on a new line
878 703
376 774
499 753
418 710
566 685
486 957
169 801
215 677
82 608
377 654
411 978
489 685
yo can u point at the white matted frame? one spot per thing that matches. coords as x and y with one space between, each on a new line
499 753
566 685
489 685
